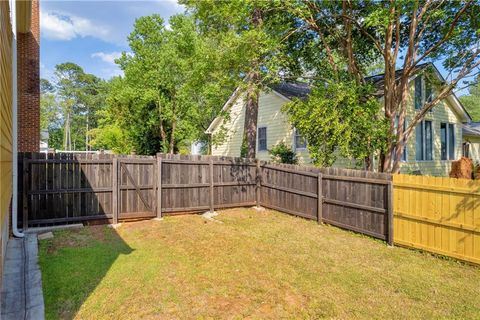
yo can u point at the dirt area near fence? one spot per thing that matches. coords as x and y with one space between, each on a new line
253 265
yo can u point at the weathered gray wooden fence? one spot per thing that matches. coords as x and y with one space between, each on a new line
64 188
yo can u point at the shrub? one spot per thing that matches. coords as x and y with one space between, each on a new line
282 153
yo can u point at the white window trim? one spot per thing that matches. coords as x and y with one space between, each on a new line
266 139
295 142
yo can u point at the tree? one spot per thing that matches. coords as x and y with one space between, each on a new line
337 120
405 33
50 114
173 82
252 40
79 95
471 102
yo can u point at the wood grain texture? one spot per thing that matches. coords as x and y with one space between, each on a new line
440 215
131 187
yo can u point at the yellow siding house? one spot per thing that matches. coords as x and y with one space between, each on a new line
436 142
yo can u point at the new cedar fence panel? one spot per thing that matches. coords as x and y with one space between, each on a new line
441 215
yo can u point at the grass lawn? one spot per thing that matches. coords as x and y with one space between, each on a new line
256 265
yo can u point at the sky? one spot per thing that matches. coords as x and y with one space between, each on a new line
92 33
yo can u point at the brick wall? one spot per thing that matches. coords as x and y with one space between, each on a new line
28 74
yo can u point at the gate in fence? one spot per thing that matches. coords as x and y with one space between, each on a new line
66 188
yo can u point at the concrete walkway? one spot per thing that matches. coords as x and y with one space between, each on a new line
22 295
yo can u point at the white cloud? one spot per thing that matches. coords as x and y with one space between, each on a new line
107 57
63 26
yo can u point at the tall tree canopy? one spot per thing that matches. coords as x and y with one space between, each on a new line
253 40
173 85
69 106
471 101
350 35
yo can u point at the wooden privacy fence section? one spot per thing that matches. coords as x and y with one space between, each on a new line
441 215
350 199
64 188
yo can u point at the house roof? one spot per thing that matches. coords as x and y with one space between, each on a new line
471 129
291 90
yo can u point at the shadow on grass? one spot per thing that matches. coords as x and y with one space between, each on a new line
73 264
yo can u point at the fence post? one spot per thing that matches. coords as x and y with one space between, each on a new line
390 213
211 185
259 183
115 190
159 187
24 192
319 199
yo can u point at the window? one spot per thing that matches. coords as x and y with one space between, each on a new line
423 92
262 139
451 141
428 92
424 141
466 149
404 154
418 93
300 142
447 141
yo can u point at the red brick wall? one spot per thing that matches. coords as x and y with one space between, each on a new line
28 78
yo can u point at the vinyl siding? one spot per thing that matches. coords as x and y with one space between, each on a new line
442 112
269 116
474 148
5 124
279 129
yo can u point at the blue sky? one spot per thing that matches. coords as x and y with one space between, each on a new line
92 33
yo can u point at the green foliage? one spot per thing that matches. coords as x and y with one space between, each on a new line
282 153
173 86
337 120
69 106
471 102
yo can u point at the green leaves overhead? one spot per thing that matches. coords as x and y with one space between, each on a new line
338 121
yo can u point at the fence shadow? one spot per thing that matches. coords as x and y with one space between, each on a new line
74 263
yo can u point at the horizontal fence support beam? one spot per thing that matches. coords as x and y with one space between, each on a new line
356 179
439 223
292 171
71 219
136 161
353 228
292 212
185 185
354 205
66 191
69 161
466 192
290 190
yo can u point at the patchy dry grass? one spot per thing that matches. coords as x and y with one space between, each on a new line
254 265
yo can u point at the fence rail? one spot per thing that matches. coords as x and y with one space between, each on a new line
441 215
66 188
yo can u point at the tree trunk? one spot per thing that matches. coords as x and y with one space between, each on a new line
163 135
251 116
251 110
172 137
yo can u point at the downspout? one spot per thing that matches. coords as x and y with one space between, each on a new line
15 230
